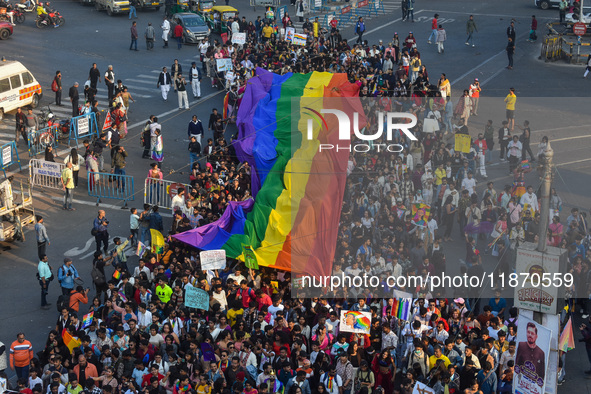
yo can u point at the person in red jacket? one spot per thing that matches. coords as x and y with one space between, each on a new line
178 34
21 354
434 25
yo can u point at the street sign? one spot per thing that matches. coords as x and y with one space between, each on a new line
362 3
579 29
345 10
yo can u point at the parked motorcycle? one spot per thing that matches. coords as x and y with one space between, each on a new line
48 119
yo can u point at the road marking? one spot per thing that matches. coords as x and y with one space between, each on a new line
464 75
570 138
132 88
572 162
141 81
101 205
471 13
74 252
562 128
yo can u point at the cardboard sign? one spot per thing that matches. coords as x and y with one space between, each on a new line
299 39
196 298
239 38
289 32
213 259
224 37
224 65
355 321
250 259
462 143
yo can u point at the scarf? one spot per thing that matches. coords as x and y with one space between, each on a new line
330 380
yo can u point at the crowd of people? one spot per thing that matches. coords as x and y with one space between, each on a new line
398 215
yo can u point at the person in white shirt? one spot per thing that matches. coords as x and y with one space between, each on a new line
144 317
514 148
469 183
273 309
237 276
440 335
411 331
219 296
178 201
333 380
165 31
530 198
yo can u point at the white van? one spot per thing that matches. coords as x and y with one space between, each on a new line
18 87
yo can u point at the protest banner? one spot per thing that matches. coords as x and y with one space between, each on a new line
531 357
299 39
213 259
355 321
462 143
289 32
239 38
224 65
196 298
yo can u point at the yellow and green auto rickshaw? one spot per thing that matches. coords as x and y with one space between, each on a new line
217 18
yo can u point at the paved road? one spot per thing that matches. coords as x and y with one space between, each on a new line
556 106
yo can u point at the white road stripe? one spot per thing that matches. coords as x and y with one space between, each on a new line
132 88
572 162
143 81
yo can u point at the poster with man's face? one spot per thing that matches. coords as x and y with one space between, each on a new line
355 321
531 358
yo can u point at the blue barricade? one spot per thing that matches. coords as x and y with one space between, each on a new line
114 186
83 126
9 156
40 139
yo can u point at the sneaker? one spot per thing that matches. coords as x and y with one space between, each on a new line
588 372
585 316
581 311
429 42
473 46
468 44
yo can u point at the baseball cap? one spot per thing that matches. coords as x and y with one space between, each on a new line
459 301
476 79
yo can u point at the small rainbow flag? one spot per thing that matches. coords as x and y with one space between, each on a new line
70 341
141 249
87 319
122 295
567 339
401 308
117 274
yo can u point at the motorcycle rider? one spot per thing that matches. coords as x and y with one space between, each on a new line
9 12
42 13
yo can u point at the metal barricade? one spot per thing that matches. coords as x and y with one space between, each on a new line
83 126
161 192
114 186
40 139
46 174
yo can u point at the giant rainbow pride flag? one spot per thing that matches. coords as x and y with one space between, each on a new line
292 222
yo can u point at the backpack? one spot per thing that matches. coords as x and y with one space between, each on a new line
63 301
98 278
54 86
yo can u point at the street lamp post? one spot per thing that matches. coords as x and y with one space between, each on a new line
546 159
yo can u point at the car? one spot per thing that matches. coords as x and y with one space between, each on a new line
194 27
5 30
547 4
